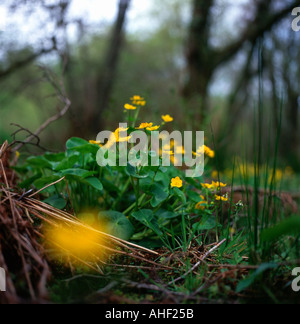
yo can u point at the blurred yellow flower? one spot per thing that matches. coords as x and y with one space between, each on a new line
205 150
121 129
96 143
207 186
221 198
214 185
130 107
219 184
169 152
136 97
138 100
176 183
145 125
116 138
167 118
215 174
202 204
152 128
179 150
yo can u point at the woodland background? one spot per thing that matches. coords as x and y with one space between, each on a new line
221 66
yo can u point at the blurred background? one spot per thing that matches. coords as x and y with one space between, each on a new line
228 67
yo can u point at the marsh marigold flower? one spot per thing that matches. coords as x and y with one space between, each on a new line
167 118
221 198
205 150
176 183
130 107
219 184
202 204
152 128
138 100
96 143
214 186
145 125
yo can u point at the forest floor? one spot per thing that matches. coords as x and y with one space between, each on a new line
194 273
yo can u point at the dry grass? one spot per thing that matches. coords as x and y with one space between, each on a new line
22 242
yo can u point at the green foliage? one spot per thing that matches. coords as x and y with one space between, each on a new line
255 276
116 224
290 226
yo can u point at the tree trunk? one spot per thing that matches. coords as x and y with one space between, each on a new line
203 59
199 56
108 72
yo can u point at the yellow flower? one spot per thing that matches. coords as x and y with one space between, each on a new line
205 150
152 128
136 97
169 152
167 118
139 103
18 154
121 139
121 129
176 183
96 143
219 184
201 205
129 107
145 125
116 138
215 174
138 100
179 150
207 186
214 185
221 198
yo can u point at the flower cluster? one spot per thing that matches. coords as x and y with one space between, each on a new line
205 150
214 185
136 101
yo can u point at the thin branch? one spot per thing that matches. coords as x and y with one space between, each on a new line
22 63
258 28
62 97
198 263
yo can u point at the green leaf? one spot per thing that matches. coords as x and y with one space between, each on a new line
131 171
146 217
116 224
86 148
194 196
56 202
42 182
79 173
110 187
94 182
75 142
39 162
287 227
67 163
57 157
159 193
28 182
165 214
179 194
207 223
244 284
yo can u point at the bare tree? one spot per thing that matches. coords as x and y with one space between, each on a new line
203 59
